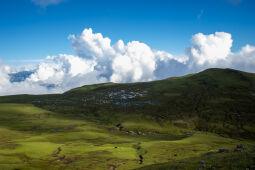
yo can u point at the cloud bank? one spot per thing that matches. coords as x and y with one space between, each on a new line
131 62
97 60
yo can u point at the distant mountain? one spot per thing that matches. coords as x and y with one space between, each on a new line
20 76
23 75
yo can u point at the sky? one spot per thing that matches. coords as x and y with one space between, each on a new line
70 43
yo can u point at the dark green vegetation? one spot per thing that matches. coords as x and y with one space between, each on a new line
167 124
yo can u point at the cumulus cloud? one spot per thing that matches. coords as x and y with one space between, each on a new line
65 72
209 49
214 50
133 62
243 60
55 75
120 62
4 71
99 60
45 3
55 68
8 88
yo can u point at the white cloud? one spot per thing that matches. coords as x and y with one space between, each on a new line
243 60
99 61
4 71
92 46
58 70
209 49
214 50
8 88
61 72
56 67
45 3
132 62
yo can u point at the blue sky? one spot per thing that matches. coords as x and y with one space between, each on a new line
30 32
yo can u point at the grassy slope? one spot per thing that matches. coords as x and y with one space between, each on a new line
222 99
30 135
216 101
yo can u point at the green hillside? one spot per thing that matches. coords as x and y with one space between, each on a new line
176 123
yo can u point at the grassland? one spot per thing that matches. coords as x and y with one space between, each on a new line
177 123
30 136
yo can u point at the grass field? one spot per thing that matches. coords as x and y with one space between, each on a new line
30 136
